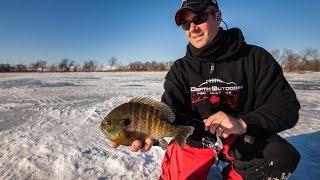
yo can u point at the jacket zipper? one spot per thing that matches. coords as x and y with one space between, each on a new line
212 67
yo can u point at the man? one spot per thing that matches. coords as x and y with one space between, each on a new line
239 92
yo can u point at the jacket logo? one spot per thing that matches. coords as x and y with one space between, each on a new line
217 92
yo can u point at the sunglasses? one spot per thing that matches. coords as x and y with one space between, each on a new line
198 19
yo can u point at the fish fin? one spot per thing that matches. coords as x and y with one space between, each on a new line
168 114
183 133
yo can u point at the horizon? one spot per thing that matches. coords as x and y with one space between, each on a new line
81 30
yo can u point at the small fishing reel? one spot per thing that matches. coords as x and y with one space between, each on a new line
212 143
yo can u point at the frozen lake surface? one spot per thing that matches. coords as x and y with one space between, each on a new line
49 125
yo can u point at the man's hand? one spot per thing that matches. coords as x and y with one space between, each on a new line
223 125
136 145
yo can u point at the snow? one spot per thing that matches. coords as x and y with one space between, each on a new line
49 125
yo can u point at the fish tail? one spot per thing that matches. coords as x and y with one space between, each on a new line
183 133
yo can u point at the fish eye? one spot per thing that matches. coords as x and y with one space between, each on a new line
126 122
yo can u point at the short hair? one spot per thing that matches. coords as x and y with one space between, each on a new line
212 8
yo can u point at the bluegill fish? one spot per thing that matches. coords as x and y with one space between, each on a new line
142 118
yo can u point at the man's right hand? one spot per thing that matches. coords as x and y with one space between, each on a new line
137 144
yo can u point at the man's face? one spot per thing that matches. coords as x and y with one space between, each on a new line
202 34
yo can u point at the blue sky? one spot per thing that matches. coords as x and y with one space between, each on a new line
140 30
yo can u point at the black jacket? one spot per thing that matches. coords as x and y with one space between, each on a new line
239 79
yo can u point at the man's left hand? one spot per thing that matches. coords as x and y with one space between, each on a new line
223 125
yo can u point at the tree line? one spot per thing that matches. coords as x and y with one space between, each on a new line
67 65
306 60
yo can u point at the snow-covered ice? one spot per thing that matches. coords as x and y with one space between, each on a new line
49 125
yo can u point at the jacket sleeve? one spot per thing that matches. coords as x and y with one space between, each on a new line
175 91
275 107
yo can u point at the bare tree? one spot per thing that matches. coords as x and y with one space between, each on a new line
317 65
85 67
168 64
275 54
65 64
42 64
100 68
113 61
123 68
148 66
154 65
290 60
309 56
53 68
89 66
135 66
76 67
162 67
35 66
313 65
21 68
5 68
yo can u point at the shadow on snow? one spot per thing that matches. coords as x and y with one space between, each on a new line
308 146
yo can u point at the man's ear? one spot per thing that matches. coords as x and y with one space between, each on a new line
218 17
